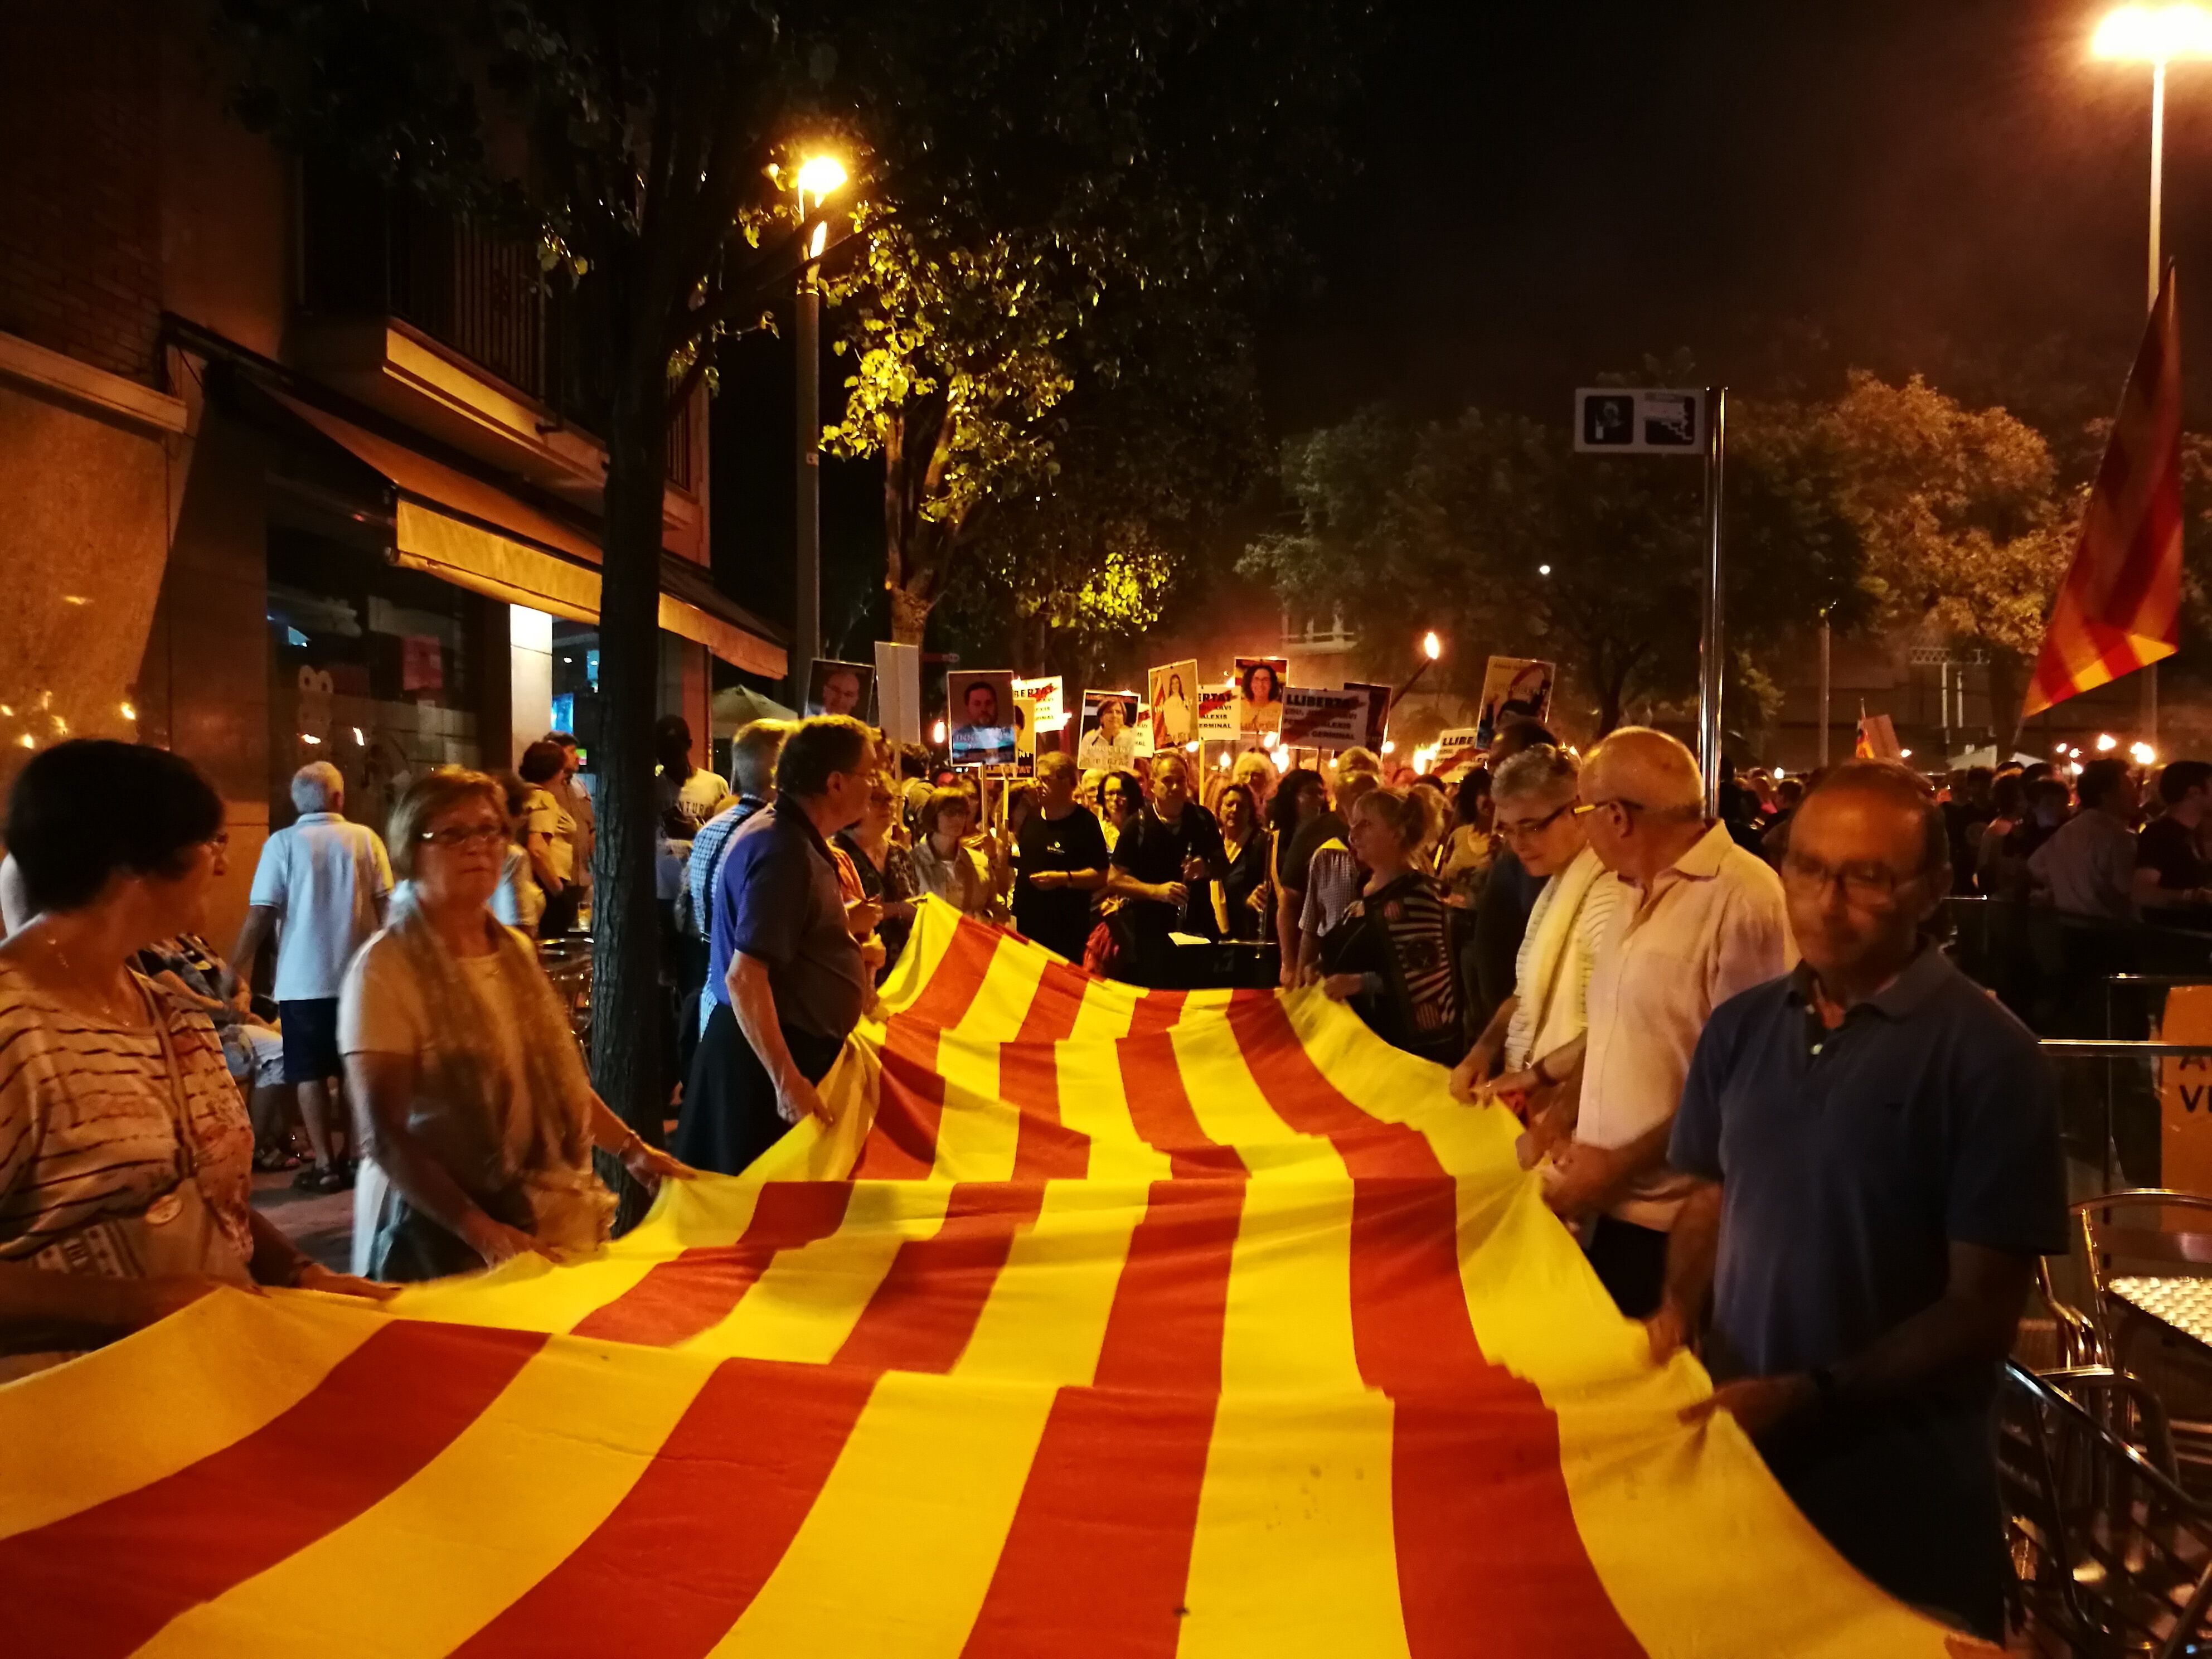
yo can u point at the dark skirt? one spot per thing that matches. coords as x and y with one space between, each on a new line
729 1117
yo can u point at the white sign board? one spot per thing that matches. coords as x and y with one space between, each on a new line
1323 719
898 690
1046 696
1639 421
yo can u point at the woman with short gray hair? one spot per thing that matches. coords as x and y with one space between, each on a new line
1536 1036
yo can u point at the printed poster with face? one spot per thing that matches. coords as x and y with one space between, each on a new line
1109 737
1173 703
980 711
1378 712
1515 688
1259 694
839 688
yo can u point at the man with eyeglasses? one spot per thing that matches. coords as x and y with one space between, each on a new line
1872 1149
788 975
1701 920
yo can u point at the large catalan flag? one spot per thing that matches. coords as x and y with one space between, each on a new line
1102 1323
2119 608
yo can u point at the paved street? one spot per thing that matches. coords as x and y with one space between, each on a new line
321 1223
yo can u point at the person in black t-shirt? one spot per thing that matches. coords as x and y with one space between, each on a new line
2171 876
1165 864
1059 862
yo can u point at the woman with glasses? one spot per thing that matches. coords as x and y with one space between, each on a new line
471 1090
1537 1034
125 1155
885 868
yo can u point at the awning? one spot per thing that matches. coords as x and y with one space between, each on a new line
475 535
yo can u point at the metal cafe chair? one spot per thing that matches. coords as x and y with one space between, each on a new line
2110 1555
2149 1279
567 964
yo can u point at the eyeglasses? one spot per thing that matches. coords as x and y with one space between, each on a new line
457 838
1863 884
1515 828
218 841
1583 809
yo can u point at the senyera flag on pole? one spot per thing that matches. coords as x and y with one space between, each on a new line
1101 1322
2118 608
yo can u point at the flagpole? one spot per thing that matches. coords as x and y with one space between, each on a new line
2147 715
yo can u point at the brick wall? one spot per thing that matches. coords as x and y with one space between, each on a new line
80 120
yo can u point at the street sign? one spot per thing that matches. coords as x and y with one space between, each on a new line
1639 421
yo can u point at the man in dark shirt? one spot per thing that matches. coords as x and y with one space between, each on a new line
1875 1145
1165 865
795 981
1293 862
1060 860
2171 876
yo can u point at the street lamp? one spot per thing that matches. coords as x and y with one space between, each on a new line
817 177
2156 35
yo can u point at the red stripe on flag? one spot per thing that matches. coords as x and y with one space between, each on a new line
1159 1107
1157 1011
924 1311
701 1287
1045 1149
1474 1452
689 1545
1099 1554
902 1142
105 1580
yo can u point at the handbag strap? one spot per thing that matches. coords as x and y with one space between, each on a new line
180 1106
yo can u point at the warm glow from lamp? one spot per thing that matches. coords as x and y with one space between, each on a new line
2144 754
128 712
1432 647
1389 747
937 732
819 174
814 243
2154 35
2106 743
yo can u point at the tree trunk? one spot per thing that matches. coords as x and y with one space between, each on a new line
1612 690
626 995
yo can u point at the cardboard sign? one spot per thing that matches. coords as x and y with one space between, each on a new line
1049 700
1217 713
1109 731
1259 694
979 704
1378 712
1457 749
2185 1093
1323 719
898 690
1513 688
839 688
1173 704
1878 738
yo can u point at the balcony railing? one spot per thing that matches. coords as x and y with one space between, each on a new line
369 251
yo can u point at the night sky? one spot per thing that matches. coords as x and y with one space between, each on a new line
1784 188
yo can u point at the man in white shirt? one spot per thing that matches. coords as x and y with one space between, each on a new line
320 887
1701 920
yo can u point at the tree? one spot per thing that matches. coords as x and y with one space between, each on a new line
627 141
1047 166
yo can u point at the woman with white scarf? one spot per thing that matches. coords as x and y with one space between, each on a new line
1530 1052
470 1087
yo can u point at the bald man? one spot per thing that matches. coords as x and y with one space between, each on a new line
1701 920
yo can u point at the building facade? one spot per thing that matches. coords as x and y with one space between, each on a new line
296 470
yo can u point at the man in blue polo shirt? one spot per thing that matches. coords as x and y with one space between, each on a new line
1875 1145
785 962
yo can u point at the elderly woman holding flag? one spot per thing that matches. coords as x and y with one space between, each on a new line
1537 1034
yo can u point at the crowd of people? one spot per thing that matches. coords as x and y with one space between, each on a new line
1781 1123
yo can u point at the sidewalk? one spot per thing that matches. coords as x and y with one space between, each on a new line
321 1223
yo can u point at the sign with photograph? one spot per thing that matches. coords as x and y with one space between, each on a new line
1173 703
839 688
1613 420
980 710
1378 712
898 690
1513 688
1110 737
1259 694
1217 713
1323 719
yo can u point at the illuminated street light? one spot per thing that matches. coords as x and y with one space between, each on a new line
2107 742
1543 571
2144 754
937 732
1432 647
817 176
